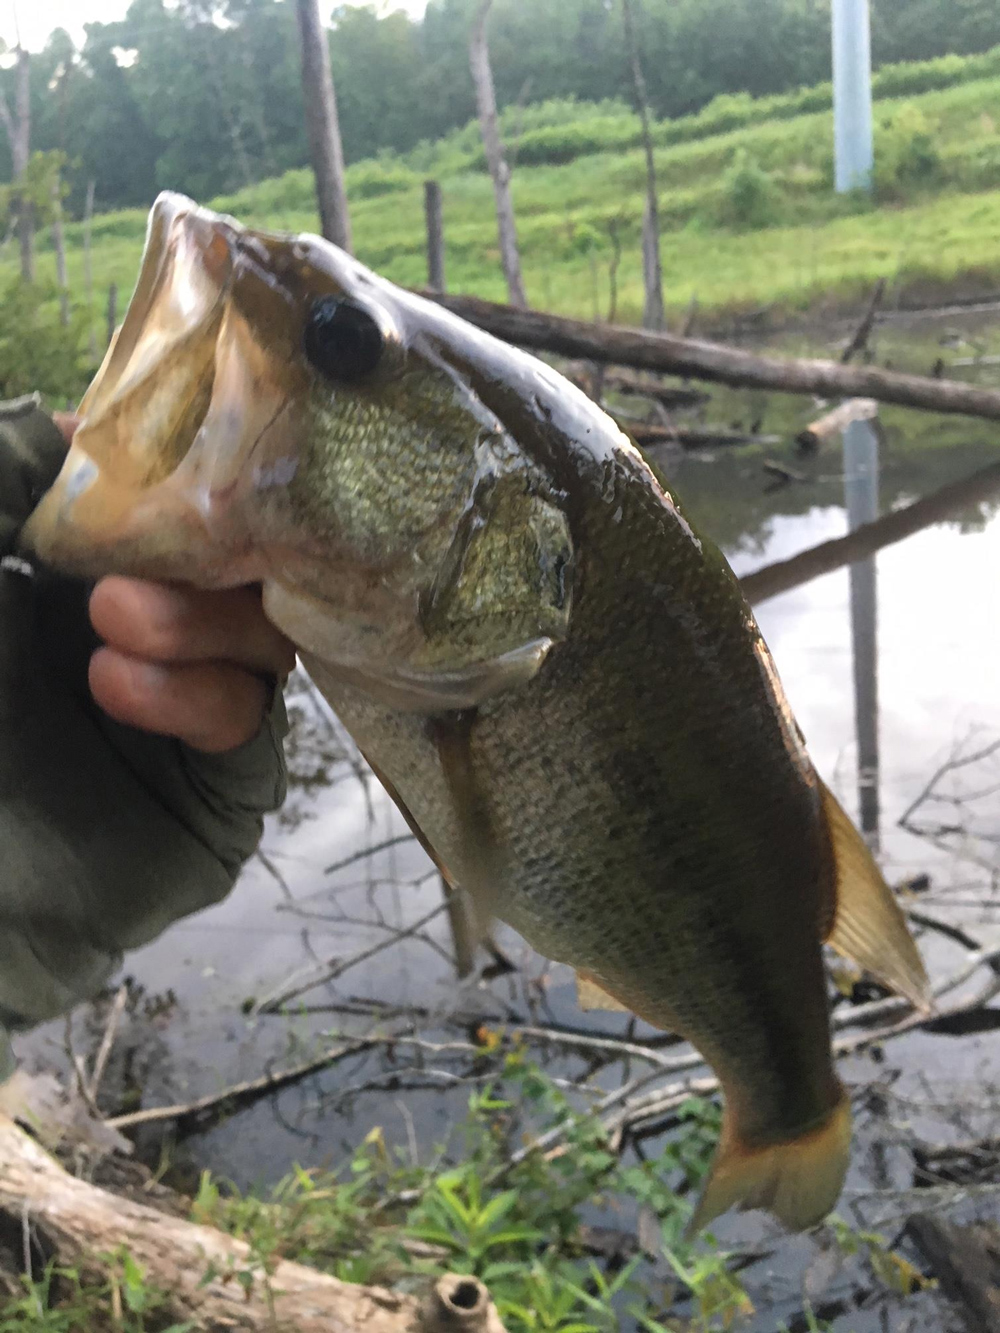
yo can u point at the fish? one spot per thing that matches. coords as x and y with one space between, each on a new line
555 675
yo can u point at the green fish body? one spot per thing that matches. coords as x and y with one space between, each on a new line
557 678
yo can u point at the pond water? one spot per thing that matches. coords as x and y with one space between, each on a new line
195 1019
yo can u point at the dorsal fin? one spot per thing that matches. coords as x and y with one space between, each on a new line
869 926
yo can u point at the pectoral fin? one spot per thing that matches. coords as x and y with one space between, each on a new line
463 931
479 859
869 926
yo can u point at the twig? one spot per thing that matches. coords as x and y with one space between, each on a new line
366 852
240 1094
107 1042
333 969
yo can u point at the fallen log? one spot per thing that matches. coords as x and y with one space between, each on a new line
207 1277
650 434
833 423
697 359
667 395
863 542
966 1261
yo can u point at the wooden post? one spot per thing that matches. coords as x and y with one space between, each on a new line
652 271
112 312
489 121
59 241
435 236
88 272
323 125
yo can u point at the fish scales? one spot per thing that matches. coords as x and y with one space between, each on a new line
557 678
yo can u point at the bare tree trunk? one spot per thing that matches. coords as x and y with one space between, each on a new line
88 272
652 269
482 75
59 241
435 236
18 127
323 125
208 1277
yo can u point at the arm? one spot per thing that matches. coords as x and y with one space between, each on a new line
134 776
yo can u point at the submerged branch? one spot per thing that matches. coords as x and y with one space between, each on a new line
866 540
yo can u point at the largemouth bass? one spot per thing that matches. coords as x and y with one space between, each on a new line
558 679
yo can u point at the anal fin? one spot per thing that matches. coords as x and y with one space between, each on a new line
869 926
590 994
798 1181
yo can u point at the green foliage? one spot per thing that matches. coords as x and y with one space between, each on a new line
372 179
512 1217
749 199
61 1301
36 352
907 156
210 99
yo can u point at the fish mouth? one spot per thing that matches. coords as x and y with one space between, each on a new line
121 502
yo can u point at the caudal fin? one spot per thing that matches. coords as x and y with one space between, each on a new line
799 1182
869 926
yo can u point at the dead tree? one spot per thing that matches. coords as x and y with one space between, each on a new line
18 127
489 121
652 269
323 125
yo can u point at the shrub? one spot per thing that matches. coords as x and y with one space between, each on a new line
373 178
906 152
750 198
36 352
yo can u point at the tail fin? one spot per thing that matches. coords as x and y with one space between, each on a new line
799 1182
870 927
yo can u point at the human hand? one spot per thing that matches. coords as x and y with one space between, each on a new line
198 666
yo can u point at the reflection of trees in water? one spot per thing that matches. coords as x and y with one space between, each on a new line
727 497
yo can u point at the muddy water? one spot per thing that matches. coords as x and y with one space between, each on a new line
196 1024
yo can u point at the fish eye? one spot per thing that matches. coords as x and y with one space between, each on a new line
342 340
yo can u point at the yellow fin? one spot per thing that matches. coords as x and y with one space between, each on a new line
799 1182
869 926
591 995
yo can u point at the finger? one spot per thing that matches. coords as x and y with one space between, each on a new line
168 624
67 423
211 706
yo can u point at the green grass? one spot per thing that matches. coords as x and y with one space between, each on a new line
517 1222
790 243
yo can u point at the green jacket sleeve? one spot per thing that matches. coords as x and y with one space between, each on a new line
107 835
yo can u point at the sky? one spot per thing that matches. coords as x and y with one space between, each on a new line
39 17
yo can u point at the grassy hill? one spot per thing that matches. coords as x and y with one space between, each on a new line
747 207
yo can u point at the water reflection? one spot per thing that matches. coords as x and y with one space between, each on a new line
861 486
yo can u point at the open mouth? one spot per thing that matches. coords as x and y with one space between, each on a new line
144 410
